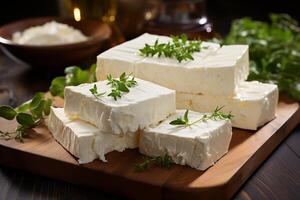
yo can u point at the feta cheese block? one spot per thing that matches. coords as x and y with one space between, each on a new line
253 105
213 67
145 104
84 140
199 145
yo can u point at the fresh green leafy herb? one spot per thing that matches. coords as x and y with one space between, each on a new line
217 114
7 112
274 50
74 76
94 91
31 113
28 115
120 85
180 120
160 161
180 48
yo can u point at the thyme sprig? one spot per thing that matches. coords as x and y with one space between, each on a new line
94 91
179 47
160 161
120 85
217 114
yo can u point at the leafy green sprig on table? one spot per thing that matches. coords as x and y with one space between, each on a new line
74 76
217 114
28 115
274 50
160 161
180 48
31 113
120 85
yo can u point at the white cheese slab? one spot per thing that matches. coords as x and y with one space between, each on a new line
254 104
199 145
145 104
214 67
85 141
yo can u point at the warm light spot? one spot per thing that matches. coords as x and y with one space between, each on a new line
148 15
77 15
112 18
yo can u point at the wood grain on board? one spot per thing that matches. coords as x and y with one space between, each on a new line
41 154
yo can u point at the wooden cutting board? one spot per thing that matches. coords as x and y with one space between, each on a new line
41 154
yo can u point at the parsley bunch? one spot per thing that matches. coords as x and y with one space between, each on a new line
274 50
160 161
180 48
217 114
28 115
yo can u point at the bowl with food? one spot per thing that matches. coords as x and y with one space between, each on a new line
53 43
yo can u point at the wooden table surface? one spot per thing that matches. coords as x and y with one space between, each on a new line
277 178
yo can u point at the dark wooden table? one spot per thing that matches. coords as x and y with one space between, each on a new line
277 178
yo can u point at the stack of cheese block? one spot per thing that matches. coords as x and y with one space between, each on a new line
90 127
216 76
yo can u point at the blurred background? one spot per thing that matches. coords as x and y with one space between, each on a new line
135 16
127 19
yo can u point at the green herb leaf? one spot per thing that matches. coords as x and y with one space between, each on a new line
24 107
122 87
25 119
94 92
7 112
36 100
58 86
181 121
47 106
38 110
185 118
92 71
178 121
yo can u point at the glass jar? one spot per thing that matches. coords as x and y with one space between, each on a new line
173 17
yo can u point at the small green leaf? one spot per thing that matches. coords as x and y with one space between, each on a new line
7 112
123 77
81 76
178 121
185 117
24 107
58 86
93 77
47 106
38 110
122 87
36 100
25 119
